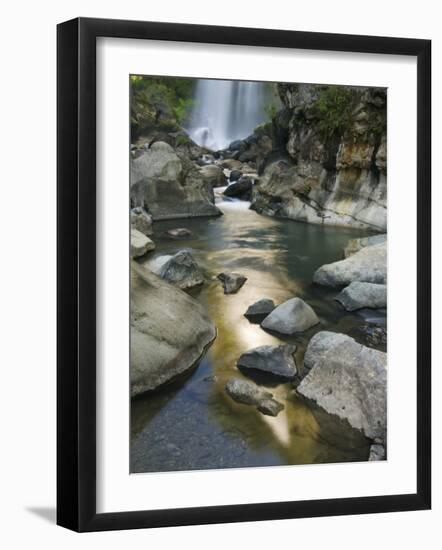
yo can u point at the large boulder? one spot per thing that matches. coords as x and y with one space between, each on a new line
257 312
369 265
213 175
348 380
139 244
170 331
240 189
354 245
292 316
231 282
182 270
277 360
170 186
141 220
358 295
248 393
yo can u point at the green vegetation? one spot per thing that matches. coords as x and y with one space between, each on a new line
159 102
333 109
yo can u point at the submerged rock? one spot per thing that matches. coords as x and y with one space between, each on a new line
369 265
141 220
139 244
247 393
358 295
232 282
348 380
292 316
372 333
354 245
258 311
162 345
178 233
182 270
277 360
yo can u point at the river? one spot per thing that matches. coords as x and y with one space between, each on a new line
192 423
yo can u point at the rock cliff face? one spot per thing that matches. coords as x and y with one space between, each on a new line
336 168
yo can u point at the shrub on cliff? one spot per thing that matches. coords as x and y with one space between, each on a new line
159 103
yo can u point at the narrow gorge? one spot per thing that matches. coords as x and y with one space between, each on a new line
258 290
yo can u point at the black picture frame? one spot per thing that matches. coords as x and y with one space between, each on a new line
76 274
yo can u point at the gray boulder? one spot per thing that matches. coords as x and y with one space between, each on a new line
182 270
232 282
139 244
348 380
292 316
248 393
377 452
369 265
162 345
354 245
258 311
213 175
141 220
170 186
277 360
358 295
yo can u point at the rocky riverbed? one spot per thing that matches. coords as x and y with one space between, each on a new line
258 339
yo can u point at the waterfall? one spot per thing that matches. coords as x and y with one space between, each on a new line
226 110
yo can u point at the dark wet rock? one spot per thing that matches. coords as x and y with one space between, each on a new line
237 145
139 244
377 452
182 270
354 245
232 282
141 220
235 175
348 380
258 311
270 407
179 233
373 334
162 346
292 316
358 295
248 393
276 360
213 175
369 265
240 189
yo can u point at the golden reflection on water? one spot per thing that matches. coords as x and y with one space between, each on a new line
253 245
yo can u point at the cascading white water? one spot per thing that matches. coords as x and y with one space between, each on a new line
226 110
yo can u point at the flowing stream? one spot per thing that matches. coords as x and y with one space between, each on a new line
226 110
192 423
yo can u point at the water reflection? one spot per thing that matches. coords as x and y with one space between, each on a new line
194 424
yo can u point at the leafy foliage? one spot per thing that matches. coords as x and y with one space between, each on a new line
333 110
158 101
